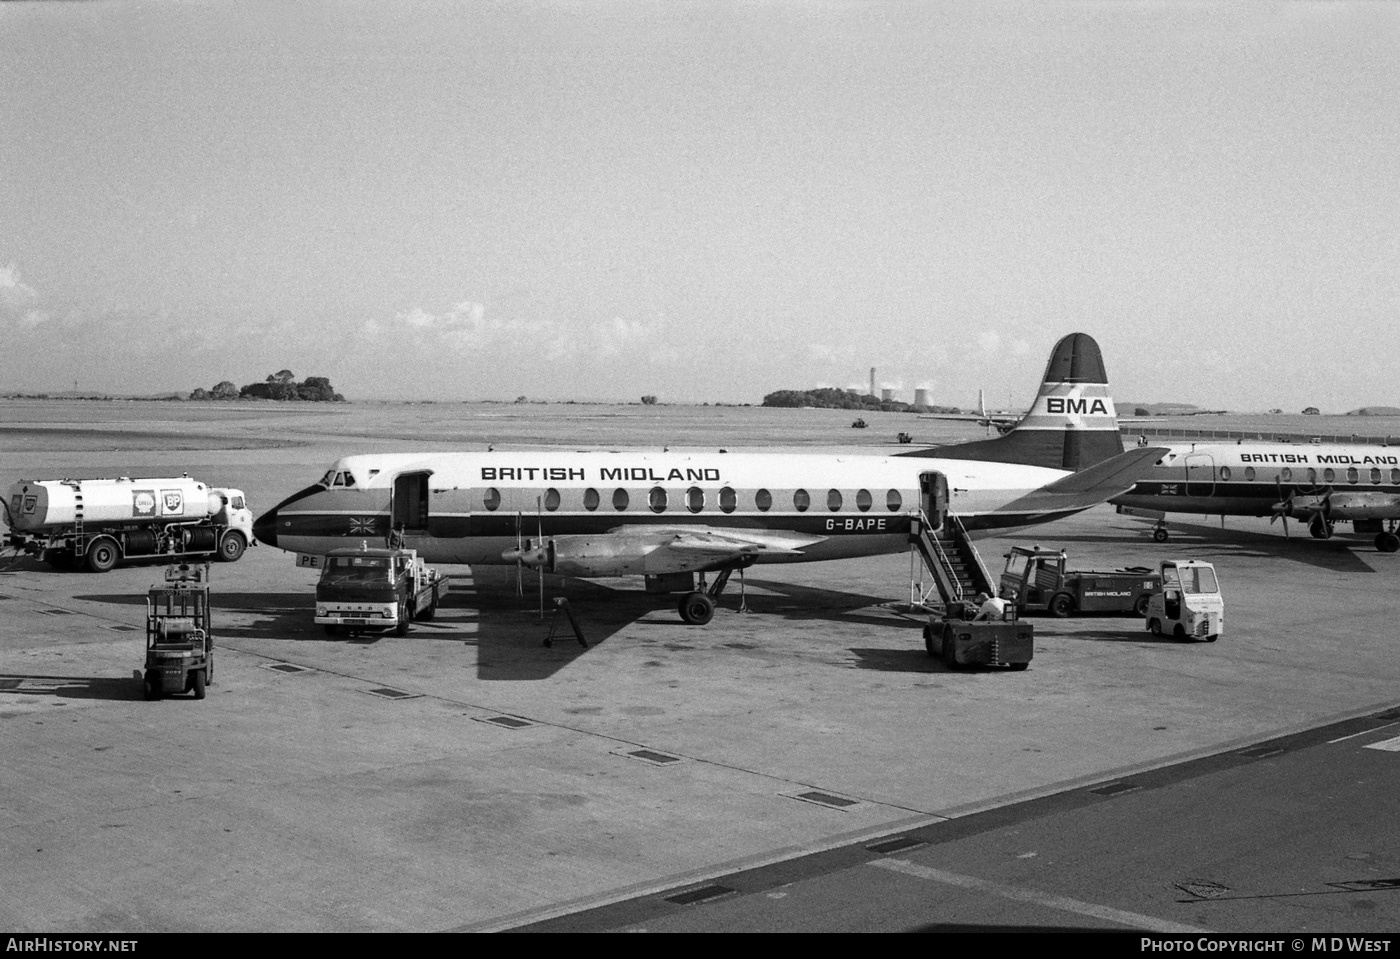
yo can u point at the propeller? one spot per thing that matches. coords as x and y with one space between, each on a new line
519 561
539 516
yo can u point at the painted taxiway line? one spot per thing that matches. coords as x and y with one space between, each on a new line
1063 903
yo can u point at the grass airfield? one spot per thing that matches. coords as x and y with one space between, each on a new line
468 777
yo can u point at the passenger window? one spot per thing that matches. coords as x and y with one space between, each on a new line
1285 474
1225 473
801 500
1395 476
656 499
863 500
590 499
1375 474
763 500
1248 474
491 499
727 500
893 501
1312 475
833 499
695 499
619 499
551 499
1329 474
1352 474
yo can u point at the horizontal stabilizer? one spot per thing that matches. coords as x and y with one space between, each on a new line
1091 486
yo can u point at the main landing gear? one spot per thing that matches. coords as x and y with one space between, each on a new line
1387 541
698 608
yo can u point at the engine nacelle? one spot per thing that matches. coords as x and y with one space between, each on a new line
607 554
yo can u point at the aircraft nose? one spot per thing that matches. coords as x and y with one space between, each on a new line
265 528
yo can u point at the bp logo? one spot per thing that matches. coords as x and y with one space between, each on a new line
172 502
143 502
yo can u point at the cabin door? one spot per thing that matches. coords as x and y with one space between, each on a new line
408 507
933 498
1200 474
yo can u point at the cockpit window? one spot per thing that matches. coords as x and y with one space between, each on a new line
338 479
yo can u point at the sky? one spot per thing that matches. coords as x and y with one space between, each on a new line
702 201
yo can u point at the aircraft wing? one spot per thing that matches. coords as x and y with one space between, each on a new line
714 543
655 550
1091 486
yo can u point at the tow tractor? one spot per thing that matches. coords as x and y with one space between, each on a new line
1036 580
375 588
959 640
1188 605
179 643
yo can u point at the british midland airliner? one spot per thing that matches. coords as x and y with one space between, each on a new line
681 513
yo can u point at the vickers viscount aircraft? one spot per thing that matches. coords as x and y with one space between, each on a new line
1321 485
676 514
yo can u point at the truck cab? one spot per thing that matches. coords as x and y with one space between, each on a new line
375 588
236 519
1188 605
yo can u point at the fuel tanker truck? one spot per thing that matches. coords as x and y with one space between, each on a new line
97 523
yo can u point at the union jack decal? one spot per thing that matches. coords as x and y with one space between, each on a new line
1169 489
361 524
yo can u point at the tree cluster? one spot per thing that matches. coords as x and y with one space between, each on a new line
828 398
277 386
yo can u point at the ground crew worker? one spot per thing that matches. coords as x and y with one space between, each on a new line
989 607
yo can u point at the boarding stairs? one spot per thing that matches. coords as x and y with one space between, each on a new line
949 554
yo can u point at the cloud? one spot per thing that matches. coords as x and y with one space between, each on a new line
17 299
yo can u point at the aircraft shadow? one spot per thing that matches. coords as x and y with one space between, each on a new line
70 687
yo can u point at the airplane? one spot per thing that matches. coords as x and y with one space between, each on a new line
1318 484
1004 422
671 515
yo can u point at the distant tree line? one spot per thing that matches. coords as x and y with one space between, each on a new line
828 398
277 386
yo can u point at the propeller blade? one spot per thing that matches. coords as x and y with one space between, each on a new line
539 516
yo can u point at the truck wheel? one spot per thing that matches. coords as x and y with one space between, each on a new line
1017 667
1061 605
697 609
103 554
333 630
231 547
1179 634
1156 626
199 684
1140 607
928 642
59 558
149 687
950 651
404 619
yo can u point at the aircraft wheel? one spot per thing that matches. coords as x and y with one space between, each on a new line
231 547
1387 542
1061 605
697 609
1160 534
102 555
1320 528
199 684
1140 607
1156 626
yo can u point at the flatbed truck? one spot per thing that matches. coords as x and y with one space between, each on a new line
1037 581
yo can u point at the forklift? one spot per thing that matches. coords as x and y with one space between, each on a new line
179 644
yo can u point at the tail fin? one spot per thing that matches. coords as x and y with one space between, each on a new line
1071 425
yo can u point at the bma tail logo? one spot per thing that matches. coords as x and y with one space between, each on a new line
172 502
143 502
1075 404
